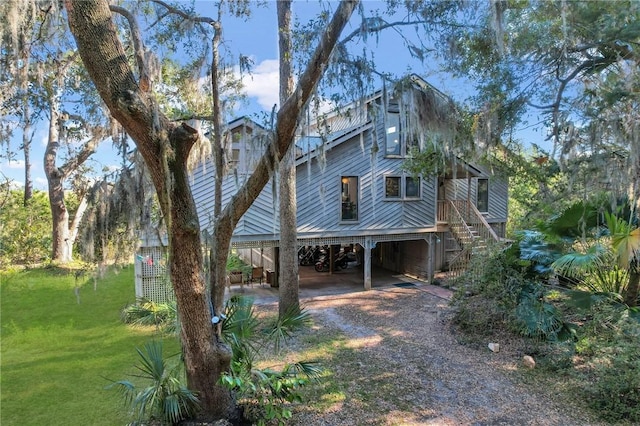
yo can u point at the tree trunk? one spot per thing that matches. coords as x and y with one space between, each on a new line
165 147
631 295
288 285
59 213
219 246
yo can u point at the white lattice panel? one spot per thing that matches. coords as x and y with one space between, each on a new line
152 279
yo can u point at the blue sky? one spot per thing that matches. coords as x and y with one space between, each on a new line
257 38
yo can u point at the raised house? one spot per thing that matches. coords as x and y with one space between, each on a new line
353 191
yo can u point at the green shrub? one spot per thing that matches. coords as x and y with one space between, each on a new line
615 395
164 400
145 312
25 231
263 393
609 342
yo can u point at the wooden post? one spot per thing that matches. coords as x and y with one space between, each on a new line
368 244
276 267
431 261
331 256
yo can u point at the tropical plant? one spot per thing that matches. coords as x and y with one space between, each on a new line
606 261
263 391
165 400
146 312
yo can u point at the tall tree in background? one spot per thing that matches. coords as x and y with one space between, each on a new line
288 281
24 23
46 85
573 63
165 147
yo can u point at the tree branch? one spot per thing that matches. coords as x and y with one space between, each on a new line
88 148
138 46
287 117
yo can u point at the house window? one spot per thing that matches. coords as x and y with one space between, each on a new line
393 134
412 187
401 187
482 200
399 142
350 191
392 186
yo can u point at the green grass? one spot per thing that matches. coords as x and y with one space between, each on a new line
58 355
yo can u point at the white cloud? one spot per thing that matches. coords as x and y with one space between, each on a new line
14 164
263 83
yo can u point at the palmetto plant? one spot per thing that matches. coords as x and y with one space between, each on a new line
263 390
165 400
610 263
145 312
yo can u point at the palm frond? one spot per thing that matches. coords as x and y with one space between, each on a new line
292 320
576 264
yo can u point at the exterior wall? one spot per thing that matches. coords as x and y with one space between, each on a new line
498 195
319 193
415 258
498 201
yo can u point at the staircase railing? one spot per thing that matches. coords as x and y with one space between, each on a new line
472 216
463 234
458 226
471 230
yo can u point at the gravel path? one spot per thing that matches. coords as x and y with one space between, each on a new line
396 361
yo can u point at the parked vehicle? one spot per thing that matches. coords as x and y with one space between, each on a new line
340 262
309 255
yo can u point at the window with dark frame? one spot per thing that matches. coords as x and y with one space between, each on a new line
349 198
392 186
392 143
482 199
412 187
402 188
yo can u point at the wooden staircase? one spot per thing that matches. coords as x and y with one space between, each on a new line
471 232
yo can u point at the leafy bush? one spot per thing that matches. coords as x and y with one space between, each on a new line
25 231
504 296
613 335
148 313
165 400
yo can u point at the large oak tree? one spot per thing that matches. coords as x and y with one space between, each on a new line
165 147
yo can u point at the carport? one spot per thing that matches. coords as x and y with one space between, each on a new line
369 273
315 284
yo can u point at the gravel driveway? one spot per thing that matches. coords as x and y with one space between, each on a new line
394 360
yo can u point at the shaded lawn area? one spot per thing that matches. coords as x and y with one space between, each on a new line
58 355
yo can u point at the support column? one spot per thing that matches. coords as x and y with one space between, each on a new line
368 245
431 260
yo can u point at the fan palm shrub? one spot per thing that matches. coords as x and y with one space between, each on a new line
146 312
263 392
164 400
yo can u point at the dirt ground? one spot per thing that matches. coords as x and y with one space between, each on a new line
394 359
